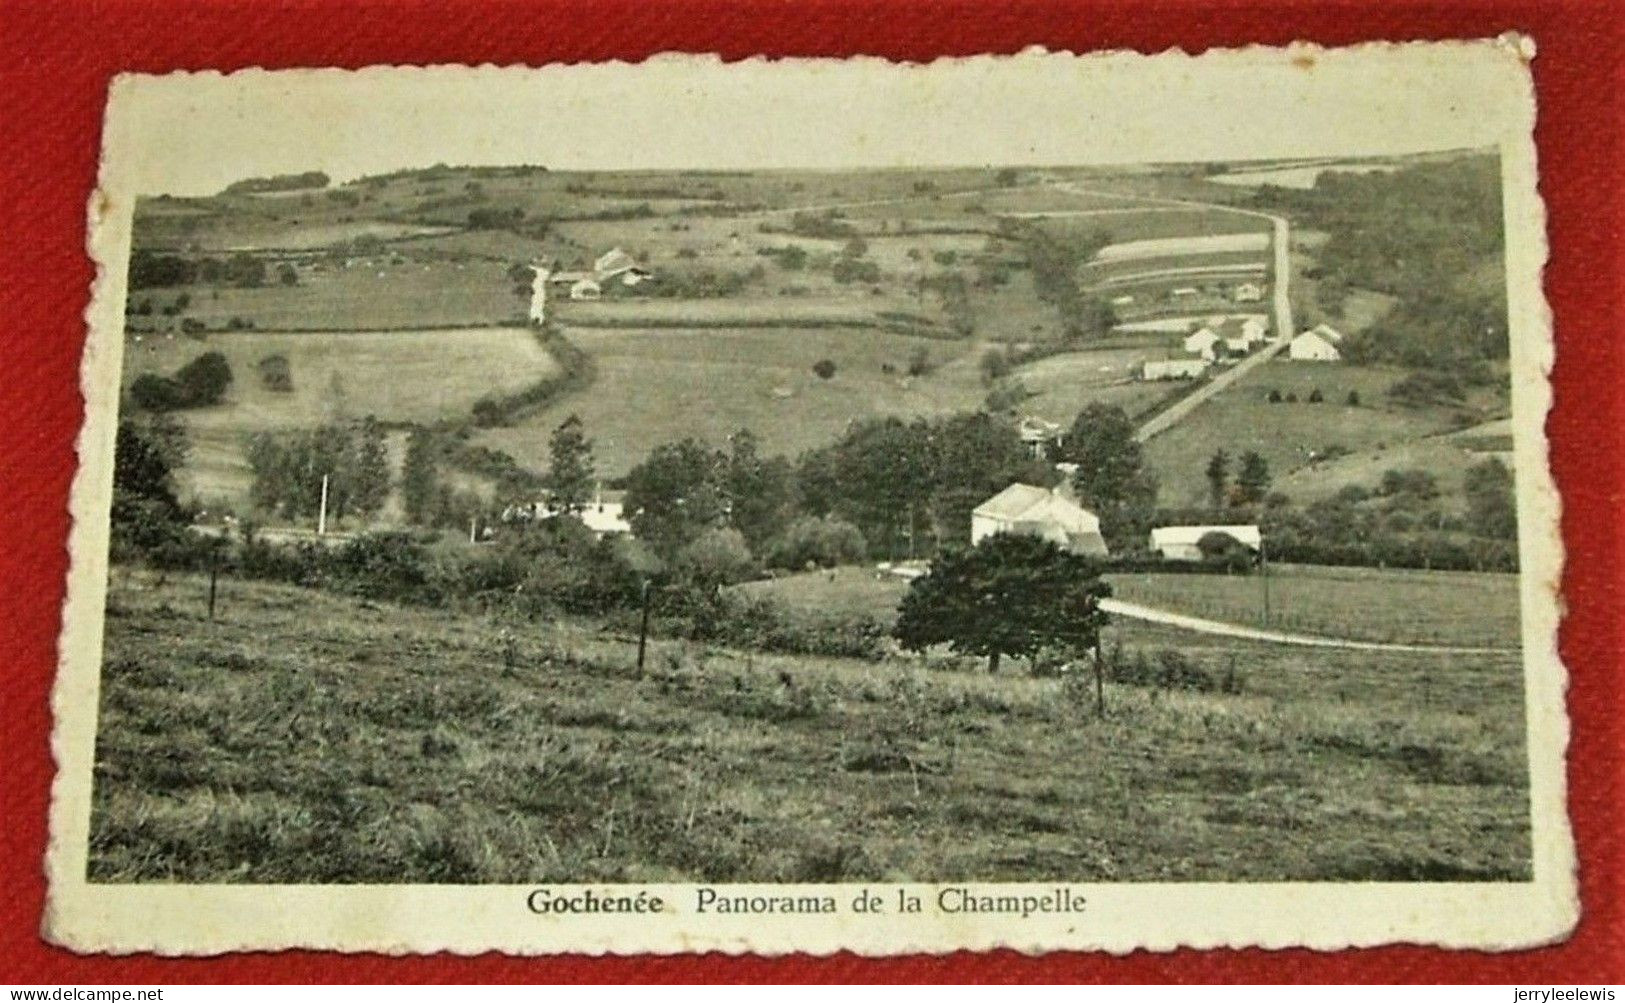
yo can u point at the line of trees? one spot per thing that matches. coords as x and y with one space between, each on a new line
154 270
288 469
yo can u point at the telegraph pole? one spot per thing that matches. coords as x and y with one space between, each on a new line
321 516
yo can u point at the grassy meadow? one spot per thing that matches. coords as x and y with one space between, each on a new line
661 384
1392 606
1293 437
1467 609
393 375
306 737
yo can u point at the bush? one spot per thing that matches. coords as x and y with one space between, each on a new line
718 557
152 392
1274 396
1354 398
1315 396
276 373
824 542
824 368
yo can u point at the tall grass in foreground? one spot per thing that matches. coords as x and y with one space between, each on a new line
308 737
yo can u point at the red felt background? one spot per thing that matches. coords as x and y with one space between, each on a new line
55 63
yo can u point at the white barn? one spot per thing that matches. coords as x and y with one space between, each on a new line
1321 343
1035 511
1181 543
1202 342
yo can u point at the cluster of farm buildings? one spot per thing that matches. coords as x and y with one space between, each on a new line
1223 340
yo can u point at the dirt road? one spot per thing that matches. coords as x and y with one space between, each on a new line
1149 614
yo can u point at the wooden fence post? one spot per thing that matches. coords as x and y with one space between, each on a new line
643 628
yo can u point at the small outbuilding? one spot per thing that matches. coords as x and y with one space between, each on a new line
1183 543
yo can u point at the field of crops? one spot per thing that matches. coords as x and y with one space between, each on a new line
310 738
377 294
1364 604
394 375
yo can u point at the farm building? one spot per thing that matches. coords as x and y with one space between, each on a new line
1184 292
1248 292
1034 511
1203 342
617 263
1255 328
1318 344
1173 369
1183 543
604 515
586 289
1122 301
1041 436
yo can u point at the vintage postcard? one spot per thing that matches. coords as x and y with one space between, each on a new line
1044 501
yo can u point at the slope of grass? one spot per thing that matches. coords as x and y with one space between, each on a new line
658 385
1291 437
1363 604
308 738
393 375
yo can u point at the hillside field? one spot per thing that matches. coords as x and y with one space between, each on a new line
392 375
306 737
1293 437
1395 606
662 384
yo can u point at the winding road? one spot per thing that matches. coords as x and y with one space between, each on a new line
1218 628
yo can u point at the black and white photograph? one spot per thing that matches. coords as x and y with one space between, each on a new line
596 480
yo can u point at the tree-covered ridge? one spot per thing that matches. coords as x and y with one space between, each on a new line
1432 236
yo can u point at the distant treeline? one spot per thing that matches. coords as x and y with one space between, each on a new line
278 183
1430 235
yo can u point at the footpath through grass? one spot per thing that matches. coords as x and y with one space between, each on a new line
306 737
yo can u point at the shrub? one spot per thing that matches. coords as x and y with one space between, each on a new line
276 373
1274 396
1354 398
1315 396
824 368
718 557
152 392
824 542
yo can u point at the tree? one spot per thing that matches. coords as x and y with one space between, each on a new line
1218 477
419 476
1253 481
675 495
569 478
204 380
1011 595
1490 500
717 557
1111 478
1354 398
760 492
824 368
287 274
156 393
818 542
368 466
145 512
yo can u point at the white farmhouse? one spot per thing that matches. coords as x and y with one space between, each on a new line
1202 342
1181 543
1248 292
1034 511
1318 344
